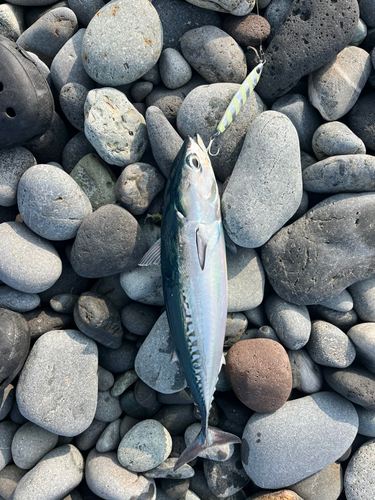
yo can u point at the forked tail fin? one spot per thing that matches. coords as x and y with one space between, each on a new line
204 441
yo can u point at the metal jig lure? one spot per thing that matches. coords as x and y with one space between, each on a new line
239 99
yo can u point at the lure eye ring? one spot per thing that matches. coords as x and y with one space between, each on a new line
193 161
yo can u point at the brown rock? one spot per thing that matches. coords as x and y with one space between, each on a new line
260 374
276 495
247 30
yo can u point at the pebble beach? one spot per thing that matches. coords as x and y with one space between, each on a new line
96 100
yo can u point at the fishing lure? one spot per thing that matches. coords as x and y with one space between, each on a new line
239 99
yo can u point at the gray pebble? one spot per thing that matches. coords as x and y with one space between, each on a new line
144 395
44 69
267 194
144 284
123 382
266 332
110 437
327 484
108 479
306 160
84 10
175 488
181 397
214 55
110 286
219 453
140 90
166 470
137 186
64 303
363 293
307 375
126 424
175 71
363 338
114 127
366 421
160 374
67 65
201 111
164 140
13 164
343 302
360 33
15 414
312 431
105 379
72 100
30 444
291 322
127 54
6 400
49 33
118 360
10 476
12 22
139 318
235 327
51 391
97 317
276 13
7 432
359 485
108 407
329 346
302 114
153 75
335 138
335 87
89 437
51 203
343 320
75 149
144 446
176 418
367 9
256 316
66 462
28 262
18 301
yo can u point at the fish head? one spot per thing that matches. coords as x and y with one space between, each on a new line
197 190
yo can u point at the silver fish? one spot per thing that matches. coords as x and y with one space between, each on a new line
195 281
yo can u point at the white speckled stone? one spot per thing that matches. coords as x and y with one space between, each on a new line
128 53
114 127
359 479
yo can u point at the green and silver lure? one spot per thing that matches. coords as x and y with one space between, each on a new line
239 99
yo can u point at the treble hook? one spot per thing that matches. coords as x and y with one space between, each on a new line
212 138
260 54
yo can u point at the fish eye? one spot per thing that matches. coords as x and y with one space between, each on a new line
193 161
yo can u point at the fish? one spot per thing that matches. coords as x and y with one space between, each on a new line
191 251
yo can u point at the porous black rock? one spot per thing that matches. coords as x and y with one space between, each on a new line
331 247
312 34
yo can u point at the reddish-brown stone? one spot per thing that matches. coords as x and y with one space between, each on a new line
259 373
276 495
247 30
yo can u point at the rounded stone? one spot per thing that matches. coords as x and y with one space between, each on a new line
343 302
75 149
359 479
202 109
329 346
108 407
28 262
49 33
105 379
175 71
18 301
13 164
97 253
307 375
72 99
85 11
30 444
6 400
302 114
66 462
247 30
361 119
57 388
366 421
312 431
135 411
144 446
359 34
269 194
7 432
111 288
343 320
137 186
107 478
259 373
152 363
235 327
127 54
9 477
327 484
97 317
139 318
51 203
335 138
144 395
12 22
140 90
109 438
114 127
300 261
118 360
363 293
276 13
89 437
144 284
354 383
291 322
335 87
123 382
64 302
363 338
214 55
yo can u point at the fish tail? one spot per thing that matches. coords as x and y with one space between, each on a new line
207 437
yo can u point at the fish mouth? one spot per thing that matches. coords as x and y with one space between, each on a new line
197 139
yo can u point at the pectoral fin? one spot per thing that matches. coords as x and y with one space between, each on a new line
201 248
152 256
